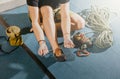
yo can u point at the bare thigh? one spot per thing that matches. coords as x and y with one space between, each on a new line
77 22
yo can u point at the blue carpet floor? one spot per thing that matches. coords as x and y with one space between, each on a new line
101 64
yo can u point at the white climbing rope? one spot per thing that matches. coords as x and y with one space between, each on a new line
98 19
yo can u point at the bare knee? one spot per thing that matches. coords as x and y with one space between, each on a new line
47 12
80 23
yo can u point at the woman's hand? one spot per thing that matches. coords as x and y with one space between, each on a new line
43 50
68 43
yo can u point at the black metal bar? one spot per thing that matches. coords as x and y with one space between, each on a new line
3 22
40 64
30 53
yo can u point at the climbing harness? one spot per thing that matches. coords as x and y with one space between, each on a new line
13 33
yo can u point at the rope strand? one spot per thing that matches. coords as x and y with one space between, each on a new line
98 20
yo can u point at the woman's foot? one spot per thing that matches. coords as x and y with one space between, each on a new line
59 55
43 50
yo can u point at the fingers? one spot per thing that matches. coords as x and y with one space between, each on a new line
40 52
43 51
31 30
69 44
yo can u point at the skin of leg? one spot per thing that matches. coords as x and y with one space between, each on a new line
77 22
49 26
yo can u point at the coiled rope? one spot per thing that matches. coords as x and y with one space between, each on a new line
98 20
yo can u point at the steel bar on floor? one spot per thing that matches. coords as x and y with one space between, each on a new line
29 52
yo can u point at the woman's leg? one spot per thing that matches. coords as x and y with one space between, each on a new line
50 30
49 26
77 22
